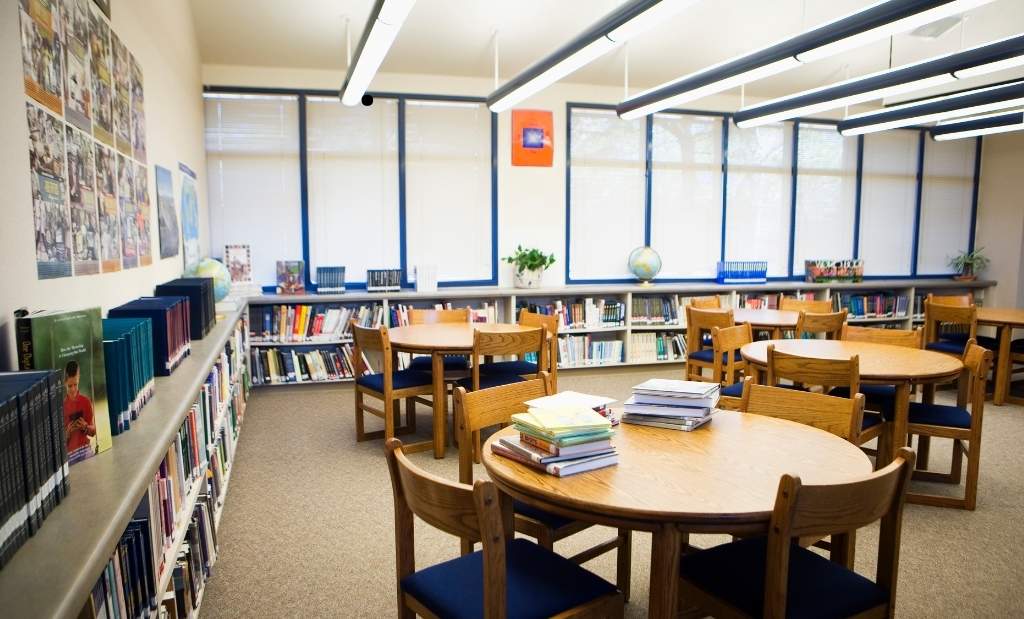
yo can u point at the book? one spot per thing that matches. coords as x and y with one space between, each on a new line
202 304
562 421
631 407
555 449
668 423
169 317
527 450
330 280
565 399
238 259
677 388
560 469
570 439
291 277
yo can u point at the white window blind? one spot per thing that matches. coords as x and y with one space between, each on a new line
759 195
606 193
448 189
686 194
826 195
887 201
352 159
252 159
946 201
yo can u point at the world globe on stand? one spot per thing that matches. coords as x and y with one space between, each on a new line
644 263
208 267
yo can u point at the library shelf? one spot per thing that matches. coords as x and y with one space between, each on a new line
305 382
53 574
266 344
636 327
181 522
856 320
586 330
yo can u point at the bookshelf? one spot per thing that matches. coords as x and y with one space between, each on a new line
53 574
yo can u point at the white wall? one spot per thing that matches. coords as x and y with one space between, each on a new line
1000 229
161 36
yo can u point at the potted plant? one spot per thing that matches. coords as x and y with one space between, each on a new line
967 264
529 265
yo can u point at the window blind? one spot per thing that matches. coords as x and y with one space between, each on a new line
946 201
888 201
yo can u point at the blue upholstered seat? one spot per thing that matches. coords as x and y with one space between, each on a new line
939 415
540 584
708 356
870 420
509 367
734 390
1017 345
816 587
451 363
951 347
490 380
553 521
402 379
985 341
881 398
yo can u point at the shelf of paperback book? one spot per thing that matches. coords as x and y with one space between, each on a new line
578 331
853 320
269 343
306 382
181 522
674 327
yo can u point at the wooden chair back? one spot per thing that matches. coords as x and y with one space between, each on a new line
550 322
434 316
938 315
829 323
475 410
519 343
977 363
700 321
875 335
839 416
792 304
838 510
956 300
470 512
709 302
371 339
724 342
813 371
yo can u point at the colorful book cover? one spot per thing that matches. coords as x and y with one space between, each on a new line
72 342
291 277
238 259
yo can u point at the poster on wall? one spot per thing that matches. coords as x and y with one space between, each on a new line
532 143
189 217
142 215
166 214
106 196
50 214
41 52
85 219
138 113
101 80
122 97
128 212
77 90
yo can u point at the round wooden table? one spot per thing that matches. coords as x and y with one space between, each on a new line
438 340
879 364
1005 320
721 478
775 321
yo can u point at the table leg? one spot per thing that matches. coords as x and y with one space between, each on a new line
924 443
899 423
666 545
440 405
1003 366
777 333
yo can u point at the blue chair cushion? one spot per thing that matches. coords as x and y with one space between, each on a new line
734 390
816 587
508 367
402 379
939 415
985 341
881 398
490 380
540 583
451 363
552 521
947 346
870 420
1017 345
708 356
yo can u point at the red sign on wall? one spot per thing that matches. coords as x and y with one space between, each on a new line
532 143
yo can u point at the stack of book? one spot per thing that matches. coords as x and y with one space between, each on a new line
560 441
330 280
674 404
202 305
128 356
171 331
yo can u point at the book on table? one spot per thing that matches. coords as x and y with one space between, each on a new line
661 391
670 423
600 404
633 407
561 439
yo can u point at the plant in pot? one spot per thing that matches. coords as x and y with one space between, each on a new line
967 264
528 266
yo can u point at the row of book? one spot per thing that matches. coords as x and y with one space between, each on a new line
398 314
657 346
309 323
580 350
873 305
271 366
664 310
770 300
585 313
130 374
673 404
202 304
171 318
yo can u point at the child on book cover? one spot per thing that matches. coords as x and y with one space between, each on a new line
79 421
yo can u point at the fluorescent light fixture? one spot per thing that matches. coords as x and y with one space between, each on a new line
966 103
903 79
878 21
622 24
979 125
992 67
380 31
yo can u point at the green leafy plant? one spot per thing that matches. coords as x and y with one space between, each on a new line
969 262
530 259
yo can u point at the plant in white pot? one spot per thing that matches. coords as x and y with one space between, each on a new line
968 264
528 266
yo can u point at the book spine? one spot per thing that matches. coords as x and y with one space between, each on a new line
26 352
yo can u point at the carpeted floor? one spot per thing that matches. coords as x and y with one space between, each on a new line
307 530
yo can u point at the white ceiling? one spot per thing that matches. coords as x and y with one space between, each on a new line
455 37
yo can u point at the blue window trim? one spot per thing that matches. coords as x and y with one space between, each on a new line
648 179
914 246
792 197
856 203
725 185
974 194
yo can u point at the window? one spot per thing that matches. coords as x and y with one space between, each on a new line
352 162
252 159
759 197
947 200
686 194
888 201
606 193
449 208
826 195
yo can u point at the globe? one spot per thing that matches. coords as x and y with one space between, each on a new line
208 267
644 263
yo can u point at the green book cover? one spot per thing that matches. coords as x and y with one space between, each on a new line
72 341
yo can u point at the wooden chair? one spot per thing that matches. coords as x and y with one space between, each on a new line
958 424
829 324
699 356
388 385
521 367
881 398
836 415
483 409
728 363
455 366
792 304
708 302
956 334
773 577
939 316
507 578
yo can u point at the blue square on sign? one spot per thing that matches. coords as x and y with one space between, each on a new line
533 137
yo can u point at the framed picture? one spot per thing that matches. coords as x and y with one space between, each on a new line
532 138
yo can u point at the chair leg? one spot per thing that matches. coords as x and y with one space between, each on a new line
544 539
973 465
410 414
476 447
924 444
390 412
360 429
624 561
957 465
465 546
